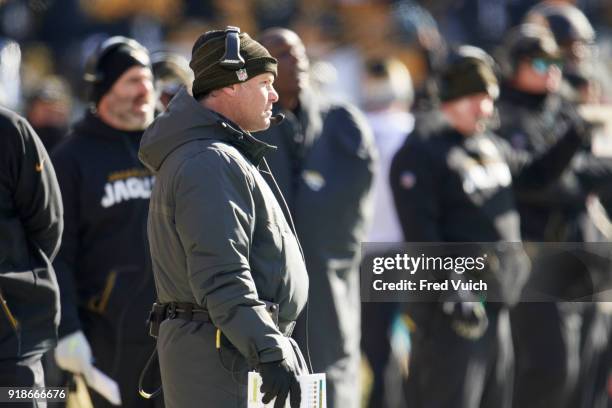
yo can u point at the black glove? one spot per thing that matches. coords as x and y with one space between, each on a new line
278 380
468 319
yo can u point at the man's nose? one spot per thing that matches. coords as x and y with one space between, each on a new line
273 95
145 87
486 107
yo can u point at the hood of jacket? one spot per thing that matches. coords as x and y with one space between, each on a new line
187 120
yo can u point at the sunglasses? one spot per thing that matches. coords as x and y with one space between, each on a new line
542 65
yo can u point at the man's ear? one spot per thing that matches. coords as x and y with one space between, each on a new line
230 90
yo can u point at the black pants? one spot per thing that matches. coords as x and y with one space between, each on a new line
123 362
547 340
596 359
448 371
23 372
563 355
376 325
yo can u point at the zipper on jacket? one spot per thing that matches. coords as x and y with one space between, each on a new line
9 315
99 304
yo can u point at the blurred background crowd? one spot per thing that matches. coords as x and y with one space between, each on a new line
44 39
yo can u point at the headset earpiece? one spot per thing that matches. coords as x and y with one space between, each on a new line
231 58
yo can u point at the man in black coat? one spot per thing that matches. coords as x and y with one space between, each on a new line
530 111
103 265
454 181
324 166
31 226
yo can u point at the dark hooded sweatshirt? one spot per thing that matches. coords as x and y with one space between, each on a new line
218 236
102 267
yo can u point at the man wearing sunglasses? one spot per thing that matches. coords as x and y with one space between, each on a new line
533 116
576 38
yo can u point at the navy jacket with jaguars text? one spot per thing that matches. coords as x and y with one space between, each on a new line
103 266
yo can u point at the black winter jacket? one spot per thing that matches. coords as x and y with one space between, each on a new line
103 265
452 188
30 231
532 123
324 166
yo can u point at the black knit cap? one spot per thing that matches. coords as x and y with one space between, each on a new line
210 74
115 56
469 71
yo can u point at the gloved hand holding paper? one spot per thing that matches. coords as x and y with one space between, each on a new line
73 354
312 387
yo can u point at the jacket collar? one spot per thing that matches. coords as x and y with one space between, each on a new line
253 148
91 124
528 100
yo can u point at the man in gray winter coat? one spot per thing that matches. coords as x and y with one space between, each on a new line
227 267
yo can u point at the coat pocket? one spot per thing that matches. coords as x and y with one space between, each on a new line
124 302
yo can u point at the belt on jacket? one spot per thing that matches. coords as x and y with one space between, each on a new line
193 312
180 310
